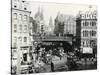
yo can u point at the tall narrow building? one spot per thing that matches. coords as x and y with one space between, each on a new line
65 24
20 36
86 30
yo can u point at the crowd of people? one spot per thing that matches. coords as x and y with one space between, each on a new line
44 55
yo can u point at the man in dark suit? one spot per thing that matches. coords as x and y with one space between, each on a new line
52 66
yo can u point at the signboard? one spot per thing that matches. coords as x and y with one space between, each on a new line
87 50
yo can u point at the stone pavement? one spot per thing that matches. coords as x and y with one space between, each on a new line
58 64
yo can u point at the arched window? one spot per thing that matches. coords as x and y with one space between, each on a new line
83 33
90 23
83 23
15 15
25 17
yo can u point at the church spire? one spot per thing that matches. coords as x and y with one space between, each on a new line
41 14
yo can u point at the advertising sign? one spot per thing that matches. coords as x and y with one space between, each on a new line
87 50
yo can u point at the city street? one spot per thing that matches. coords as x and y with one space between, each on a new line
54 41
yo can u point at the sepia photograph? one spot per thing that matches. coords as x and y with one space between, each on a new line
52 37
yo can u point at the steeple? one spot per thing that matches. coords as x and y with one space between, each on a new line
41 14
38 13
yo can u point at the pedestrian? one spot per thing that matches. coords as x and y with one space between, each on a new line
52 66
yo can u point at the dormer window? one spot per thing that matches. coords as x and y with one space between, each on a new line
15 5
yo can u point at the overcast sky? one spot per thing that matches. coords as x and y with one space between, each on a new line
51 9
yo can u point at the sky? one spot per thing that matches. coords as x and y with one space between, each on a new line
52 9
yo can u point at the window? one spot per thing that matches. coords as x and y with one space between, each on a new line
25 17
20 28
25 39
83 23
83 43
87 43
95 43
87 15
82 16
93 23
25 56
92 33
86 23
90 23
15 41
15 15
20 40
25 28
15 27
91 43
20 16
85 33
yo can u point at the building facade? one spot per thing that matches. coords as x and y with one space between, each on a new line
65 24
86 29
70 25
20 35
